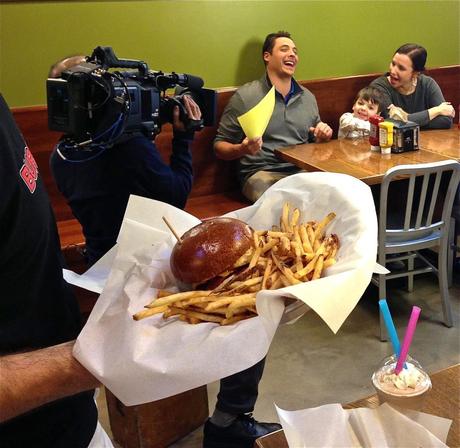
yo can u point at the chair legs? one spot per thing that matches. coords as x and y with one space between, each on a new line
410 277
443 280
444 260
451 252
383 329
382 295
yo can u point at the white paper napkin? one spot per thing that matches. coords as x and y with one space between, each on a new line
330 426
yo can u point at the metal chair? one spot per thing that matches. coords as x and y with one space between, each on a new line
454 231
422 222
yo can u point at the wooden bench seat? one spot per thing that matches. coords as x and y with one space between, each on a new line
70 233
215 189
216 204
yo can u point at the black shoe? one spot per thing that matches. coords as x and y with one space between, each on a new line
242 433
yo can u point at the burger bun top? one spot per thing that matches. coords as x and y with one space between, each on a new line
209 249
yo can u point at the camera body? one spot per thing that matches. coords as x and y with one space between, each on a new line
93 105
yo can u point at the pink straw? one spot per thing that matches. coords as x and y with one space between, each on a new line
407 338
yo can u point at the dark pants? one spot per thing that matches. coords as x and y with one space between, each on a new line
238 392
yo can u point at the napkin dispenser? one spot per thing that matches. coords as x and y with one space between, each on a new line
405 136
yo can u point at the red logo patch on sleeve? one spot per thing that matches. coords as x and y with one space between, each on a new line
29 171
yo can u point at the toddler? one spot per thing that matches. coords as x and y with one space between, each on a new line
356 124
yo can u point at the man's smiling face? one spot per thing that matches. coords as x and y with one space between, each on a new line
283 59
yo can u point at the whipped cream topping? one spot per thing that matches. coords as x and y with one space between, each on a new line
408 378
411 380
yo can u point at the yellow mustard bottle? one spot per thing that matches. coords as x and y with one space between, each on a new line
386 136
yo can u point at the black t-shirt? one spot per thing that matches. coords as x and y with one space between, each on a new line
37 307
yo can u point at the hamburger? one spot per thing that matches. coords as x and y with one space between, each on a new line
215 246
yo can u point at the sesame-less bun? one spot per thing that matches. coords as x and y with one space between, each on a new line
209 249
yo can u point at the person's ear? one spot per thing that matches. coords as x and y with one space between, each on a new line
65 64
267 55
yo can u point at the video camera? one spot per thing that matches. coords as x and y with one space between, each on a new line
94 106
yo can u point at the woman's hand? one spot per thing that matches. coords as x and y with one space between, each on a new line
396 113
446 109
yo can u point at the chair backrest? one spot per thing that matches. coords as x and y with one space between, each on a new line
425 199
456 206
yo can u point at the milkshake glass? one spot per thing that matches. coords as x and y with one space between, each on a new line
408 389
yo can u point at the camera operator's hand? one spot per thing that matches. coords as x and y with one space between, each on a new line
193 113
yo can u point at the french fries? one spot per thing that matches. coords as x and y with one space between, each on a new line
290 254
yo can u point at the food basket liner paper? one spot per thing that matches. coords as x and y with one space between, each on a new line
147 360
330 426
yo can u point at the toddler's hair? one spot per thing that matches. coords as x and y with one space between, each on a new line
371 94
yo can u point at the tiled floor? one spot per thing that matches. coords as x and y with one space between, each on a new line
308 365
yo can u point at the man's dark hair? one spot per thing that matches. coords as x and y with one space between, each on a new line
270 41
416 53
371 94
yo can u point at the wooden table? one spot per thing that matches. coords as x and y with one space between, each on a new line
443 401
445 142
353 157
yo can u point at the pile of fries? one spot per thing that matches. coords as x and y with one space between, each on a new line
289 254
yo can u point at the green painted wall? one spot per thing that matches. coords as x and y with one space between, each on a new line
219 40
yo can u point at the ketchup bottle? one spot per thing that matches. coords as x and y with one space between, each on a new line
374 132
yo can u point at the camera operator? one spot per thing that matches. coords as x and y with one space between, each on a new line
97 188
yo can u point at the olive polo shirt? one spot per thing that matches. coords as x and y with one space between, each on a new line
288 125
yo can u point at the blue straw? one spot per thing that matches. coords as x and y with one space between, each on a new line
390 326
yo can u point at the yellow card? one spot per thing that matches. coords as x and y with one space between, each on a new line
255 121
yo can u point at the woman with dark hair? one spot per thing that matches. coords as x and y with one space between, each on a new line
408 94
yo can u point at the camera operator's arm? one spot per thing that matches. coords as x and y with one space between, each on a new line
150 176
32 379
180 162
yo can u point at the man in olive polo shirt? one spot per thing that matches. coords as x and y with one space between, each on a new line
295 120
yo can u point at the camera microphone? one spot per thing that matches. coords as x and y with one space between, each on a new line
190 81
168 80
